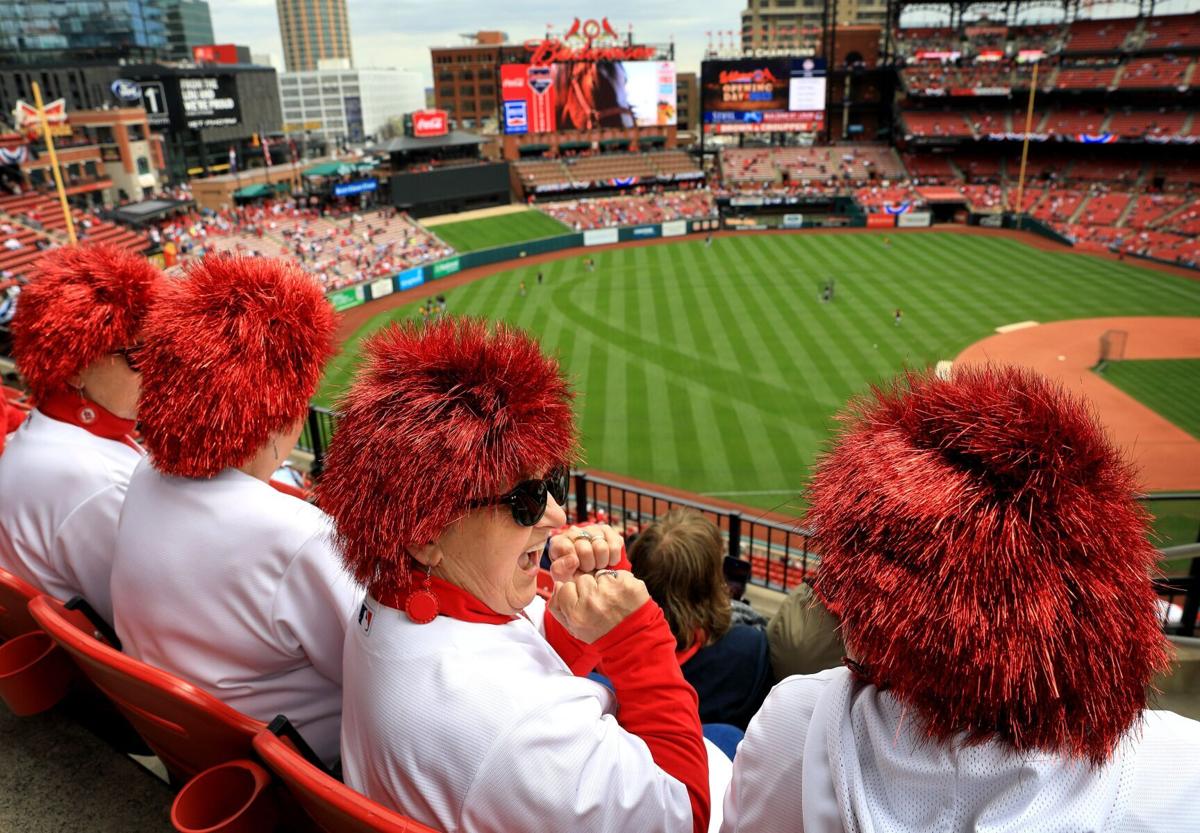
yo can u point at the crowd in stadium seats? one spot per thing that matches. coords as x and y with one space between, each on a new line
338 251
603 212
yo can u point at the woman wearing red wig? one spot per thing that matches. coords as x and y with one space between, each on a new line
218 577
982 548
464 705
76 338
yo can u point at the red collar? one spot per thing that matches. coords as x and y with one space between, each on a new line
453 601
699 637
76 409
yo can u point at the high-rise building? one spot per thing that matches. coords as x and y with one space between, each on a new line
189 23
347 105
313 31
789 24
57 30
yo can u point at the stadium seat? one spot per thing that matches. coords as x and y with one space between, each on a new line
331 804
189 729
15 595
35 674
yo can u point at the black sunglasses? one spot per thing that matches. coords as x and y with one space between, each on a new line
130 355
527 499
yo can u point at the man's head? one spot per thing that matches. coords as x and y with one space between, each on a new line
982 548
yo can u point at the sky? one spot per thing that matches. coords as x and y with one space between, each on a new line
398 33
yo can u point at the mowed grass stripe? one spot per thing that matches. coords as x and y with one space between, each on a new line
489 232
1170 387
664 355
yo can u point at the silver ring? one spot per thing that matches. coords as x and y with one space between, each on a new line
599 573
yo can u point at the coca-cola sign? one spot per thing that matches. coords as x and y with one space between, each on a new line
430 123
591 40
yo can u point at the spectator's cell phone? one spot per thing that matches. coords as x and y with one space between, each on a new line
737 573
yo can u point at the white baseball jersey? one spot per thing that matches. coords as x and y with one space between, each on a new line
61 490
826 753
236 588
468 726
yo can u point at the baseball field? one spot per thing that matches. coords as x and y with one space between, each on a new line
718 368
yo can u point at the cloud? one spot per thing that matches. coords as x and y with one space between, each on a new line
399 33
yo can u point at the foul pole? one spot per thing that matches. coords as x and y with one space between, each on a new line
1020 206
58 183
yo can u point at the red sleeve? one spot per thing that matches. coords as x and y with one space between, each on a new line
579 656
656 703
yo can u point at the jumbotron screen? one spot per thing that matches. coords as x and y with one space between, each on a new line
767 95
586 95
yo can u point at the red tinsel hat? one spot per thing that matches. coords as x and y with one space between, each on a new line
440 415
233 354
83 303
982 547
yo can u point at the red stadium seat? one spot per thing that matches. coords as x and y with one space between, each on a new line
15 596
331 804
35 674
189 729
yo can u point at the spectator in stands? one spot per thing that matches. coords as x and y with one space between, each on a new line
446 476
680 558
76 338
982 547
219 577
802 636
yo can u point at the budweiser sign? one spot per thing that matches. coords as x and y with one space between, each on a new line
430 123
592 40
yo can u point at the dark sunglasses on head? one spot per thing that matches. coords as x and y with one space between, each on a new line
527 499
131 356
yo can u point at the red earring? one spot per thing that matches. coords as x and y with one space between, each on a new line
422 604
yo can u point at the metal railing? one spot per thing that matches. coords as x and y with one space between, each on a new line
779 553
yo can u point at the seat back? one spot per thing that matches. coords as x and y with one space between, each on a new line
15 595
334 807
189 729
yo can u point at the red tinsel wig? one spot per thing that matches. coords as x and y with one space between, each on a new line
440 415
982 547
233 354
83 303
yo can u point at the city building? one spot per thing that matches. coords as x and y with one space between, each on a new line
189 23
347 105
313 31
687 103
797 24
466 78
72 32
202 113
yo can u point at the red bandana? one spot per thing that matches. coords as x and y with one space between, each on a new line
76 409
453 601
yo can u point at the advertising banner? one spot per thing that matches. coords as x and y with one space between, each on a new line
446 267
410 278
914 219
674 228
430 123
382 288
644 231
346 298
991 220
793 220
209 101
881 220
362 186
767 95
599 237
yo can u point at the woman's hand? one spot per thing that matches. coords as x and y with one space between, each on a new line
590 606
584 550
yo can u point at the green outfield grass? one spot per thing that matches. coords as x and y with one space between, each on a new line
1169 386
718 370
472 235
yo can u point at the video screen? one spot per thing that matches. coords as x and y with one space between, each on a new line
767 95
587 95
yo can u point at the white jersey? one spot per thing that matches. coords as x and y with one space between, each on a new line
236 588
476 727
826 753
61 490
